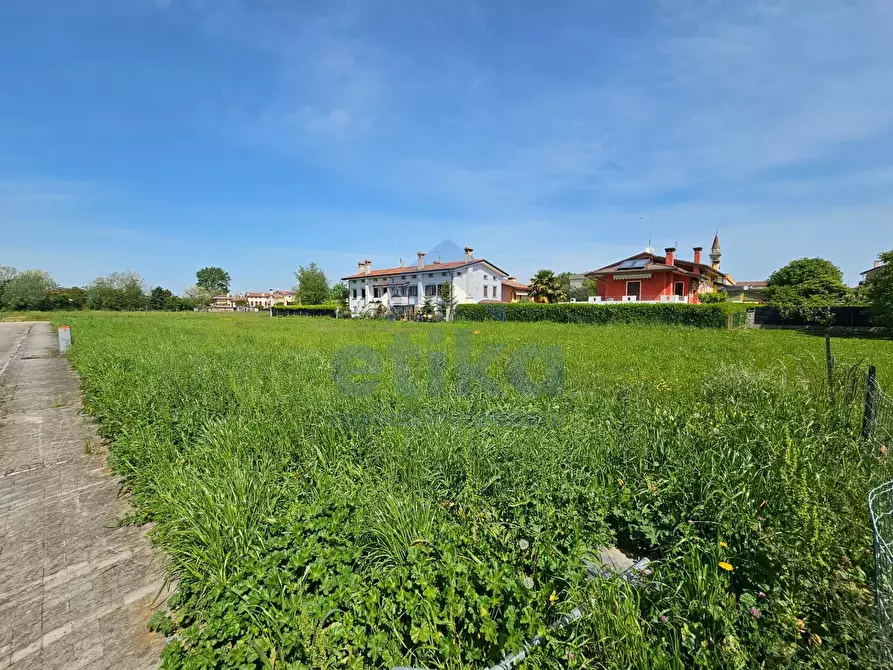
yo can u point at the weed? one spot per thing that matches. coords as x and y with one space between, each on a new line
299 539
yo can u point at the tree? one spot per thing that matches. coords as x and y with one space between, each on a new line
546 287
427 309
117 291
198 296
340 294
67 298
7 274
213 279
807 281
447 300
27 290
879 291
312 287
565 279
159 297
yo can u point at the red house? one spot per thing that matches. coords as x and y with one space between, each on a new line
647 277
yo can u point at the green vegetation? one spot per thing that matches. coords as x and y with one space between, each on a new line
213 279
312 287
309 527
879 291
546 287
713 298
330 309
704 316
807 281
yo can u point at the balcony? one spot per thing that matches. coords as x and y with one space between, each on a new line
402 300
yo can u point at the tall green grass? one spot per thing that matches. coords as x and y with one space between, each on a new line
301 539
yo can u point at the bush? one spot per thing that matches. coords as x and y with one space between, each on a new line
713 298
702 316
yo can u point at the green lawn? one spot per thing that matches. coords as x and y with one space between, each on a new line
329 520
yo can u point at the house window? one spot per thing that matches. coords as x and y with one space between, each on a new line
431 290
679 288
354 294
443 274
634 288
485 276
364 293
485 291
413 291
415 276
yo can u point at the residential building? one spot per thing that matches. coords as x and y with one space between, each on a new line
515 291
267 299
867 274
223 303
403 290
647 277
577 280
746 291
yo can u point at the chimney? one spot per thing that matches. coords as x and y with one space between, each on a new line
671 255
510 279
469 254
421 263
367 266
361 267
698 251
878 263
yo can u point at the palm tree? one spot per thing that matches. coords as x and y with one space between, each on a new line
546 287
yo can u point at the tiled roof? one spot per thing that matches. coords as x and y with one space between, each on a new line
656 264
412 269
516 284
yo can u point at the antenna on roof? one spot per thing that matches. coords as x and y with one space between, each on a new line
649 249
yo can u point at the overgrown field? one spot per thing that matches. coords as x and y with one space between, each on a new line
322 520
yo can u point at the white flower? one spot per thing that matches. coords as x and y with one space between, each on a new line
528 582
524 544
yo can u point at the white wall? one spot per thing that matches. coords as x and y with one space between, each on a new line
468 285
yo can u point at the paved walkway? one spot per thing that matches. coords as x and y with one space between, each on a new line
76 590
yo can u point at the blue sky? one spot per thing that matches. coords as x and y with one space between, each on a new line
258 135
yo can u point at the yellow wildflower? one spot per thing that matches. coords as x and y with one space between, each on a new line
723 545
726 566
553 598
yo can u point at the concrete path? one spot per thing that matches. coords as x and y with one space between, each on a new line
76 590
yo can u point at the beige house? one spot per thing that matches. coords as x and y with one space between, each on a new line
269 298
223 303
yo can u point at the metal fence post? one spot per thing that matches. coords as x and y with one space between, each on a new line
830 362
868 416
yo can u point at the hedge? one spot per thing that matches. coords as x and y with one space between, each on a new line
305 310
679 314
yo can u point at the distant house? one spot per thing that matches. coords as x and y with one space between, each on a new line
577 280
223 303
647 277
867 274
746 291
267 299
515 291
403 290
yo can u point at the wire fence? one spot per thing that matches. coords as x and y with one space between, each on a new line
880 415
878 429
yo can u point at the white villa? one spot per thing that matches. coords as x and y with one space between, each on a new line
403 290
